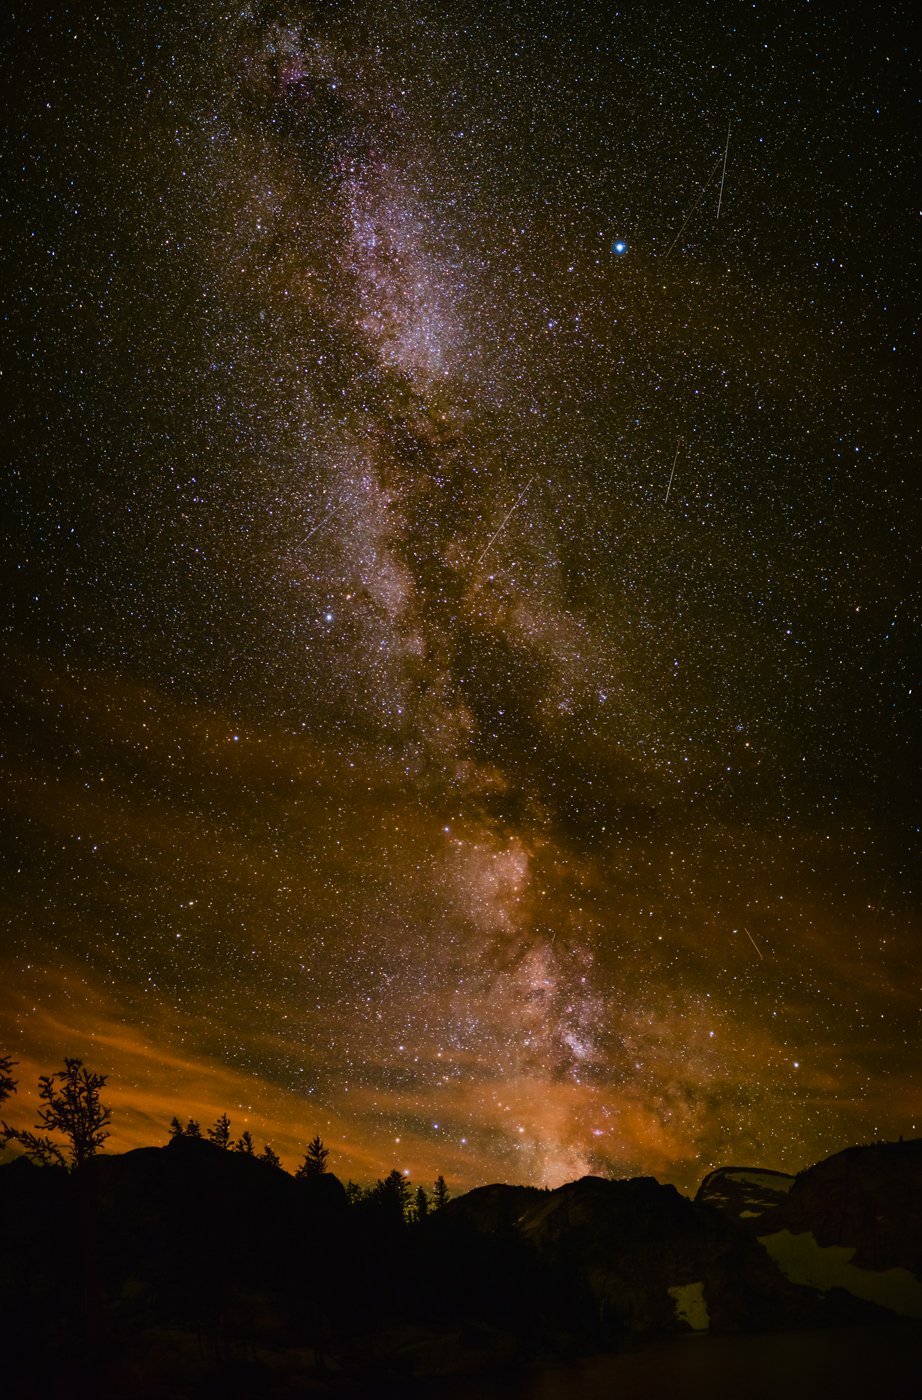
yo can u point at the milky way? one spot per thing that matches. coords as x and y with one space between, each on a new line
460 691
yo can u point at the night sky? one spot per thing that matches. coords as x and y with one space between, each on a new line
458 587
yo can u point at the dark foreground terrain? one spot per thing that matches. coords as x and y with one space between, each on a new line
190 1271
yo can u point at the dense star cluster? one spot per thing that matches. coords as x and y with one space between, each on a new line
459 538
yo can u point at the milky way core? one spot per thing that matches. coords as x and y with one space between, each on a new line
395 750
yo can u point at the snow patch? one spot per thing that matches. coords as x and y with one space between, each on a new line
803 1261
690 1306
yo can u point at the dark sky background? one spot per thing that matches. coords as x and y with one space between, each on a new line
459 686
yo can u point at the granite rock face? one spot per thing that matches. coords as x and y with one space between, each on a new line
848 1230
866 1198
852 1224
744 1193
841 1243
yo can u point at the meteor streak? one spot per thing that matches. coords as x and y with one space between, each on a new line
754 943
723 173
693 208
337 505
502 525
672 473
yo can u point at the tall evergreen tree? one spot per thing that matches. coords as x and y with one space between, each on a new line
220 1134
192 1129
421 1203
440 1195
315 1159
393 1195
270 1156
176 1130
246 1144
70 1104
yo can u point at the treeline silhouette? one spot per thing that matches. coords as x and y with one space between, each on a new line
392 1194
71 1106
201 1267
102 1253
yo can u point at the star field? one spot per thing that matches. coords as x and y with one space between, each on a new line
460 590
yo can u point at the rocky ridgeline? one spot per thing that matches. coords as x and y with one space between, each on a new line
840 1243
195 1242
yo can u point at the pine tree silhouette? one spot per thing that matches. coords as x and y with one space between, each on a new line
220 1134
315 1159
71 1106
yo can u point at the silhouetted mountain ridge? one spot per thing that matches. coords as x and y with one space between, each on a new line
230 1257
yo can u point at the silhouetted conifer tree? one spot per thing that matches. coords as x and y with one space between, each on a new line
271 1157
7 1082
220 1134
176 1130
246 1144
421 1203
440 1196
393 1195
192 1129
355 1194
315 1159
70 1105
